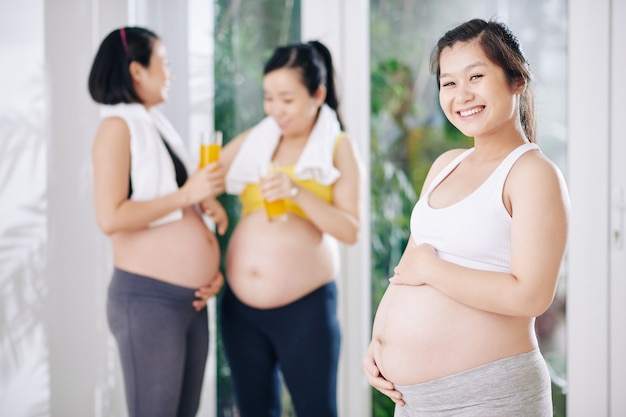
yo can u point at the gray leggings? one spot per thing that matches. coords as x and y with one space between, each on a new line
163 343
517 386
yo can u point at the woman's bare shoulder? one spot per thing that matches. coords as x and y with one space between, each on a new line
535 167
112 131
447 157
534 175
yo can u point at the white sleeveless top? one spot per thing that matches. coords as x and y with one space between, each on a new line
476 231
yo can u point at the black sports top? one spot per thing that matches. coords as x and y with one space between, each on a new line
181 172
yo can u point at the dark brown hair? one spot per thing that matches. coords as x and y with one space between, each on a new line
503 49
315 63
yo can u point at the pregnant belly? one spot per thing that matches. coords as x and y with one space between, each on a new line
420 334
183 252
290 260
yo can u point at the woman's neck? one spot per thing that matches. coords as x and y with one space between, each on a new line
495 148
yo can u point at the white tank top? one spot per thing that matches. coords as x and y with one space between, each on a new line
476 231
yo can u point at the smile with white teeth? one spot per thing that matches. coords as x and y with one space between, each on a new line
471 112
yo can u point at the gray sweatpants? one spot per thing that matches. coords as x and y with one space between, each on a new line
163 343
517 386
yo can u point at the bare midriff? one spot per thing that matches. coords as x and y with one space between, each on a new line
183 252
270 265
420 334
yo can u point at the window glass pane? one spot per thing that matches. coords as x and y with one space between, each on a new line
408 129
246 33
24 353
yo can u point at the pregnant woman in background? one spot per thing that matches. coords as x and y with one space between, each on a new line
166 260
279 309
454 333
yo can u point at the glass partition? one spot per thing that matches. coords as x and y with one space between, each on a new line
246 34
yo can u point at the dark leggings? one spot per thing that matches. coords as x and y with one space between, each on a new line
301 340
163 344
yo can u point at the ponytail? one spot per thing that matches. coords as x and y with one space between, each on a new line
332 98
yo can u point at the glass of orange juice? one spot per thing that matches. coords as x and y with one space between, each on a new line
276 210
210 147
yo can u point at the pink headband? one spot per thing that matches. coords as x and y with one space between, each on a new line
124 43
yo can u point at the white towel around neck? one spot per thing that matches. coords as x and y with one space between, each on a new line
152 171
315 161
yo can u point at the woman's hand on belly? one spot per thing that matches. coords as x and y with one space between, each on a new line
376 380
414 265
210 290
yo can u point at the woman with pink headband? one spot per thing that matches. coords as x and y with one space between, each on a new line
149 200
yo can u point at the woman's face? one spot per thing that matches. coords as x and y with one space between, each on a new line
474 93
289 103
152 83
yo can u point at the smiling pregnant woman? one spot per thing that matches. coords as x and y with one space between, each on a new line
454 332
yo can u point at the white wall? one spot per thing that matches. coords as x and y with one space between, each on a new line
82 357
597 263
617 283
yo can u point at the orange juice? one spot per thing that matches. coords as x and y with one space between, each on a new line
210 146
276 210
209 153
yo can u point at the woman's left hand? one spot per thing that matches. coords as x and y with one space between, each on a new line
214 209
276 185
415 264
210 290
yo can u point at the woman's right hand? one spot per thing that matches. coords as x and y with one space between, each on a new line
205 182
214 209
377 381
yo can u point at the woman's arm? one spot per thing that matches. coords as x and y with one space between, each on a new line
341 219
536 195
115 212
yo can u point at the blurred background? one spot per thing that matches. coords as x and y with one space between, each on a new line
57 357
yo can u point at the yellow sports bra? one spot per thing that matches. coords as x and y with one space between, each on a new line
251 199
